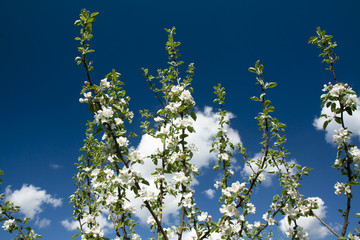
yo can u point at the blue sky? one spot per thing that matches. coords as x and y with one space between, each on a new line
43 123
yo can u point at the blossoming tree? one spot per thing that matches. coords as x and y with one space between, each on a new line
108 178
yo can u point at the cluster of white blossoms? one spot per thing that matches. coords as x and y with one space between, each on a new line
230 210
147 194
87 96
269 219
235 188
204 217
343 93
180 178
299 233
9 224
223 156
93 228
355 153
342 188
173 106
187 200
183 123
179 96
104 83
104 115
341 137
122 141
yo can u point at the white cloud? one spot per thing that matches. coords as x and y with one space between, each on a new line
206 127
351 122
31 199
55 166
210 193
247 170
310 224
41 223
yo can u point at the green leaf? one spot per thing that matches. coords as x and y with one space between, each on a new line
271 84
326 123
99 130
255 98
251 69
193 115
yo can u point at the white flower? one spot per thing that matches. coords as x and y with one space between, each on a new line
251 208
180 178
173 106
129 207
122 141
147 194
95 172
355 153
87 95
158 119
341 136
104 83
193 147
217 185
203 216
176 89
256 224
8 224
338 188
269 220
136 156
336 90
118 121
292 212
230 210
136 237
151 221
111 199
224 156
103 115
185 96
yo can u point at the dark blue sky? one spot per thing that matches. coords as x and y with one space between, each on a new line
43 122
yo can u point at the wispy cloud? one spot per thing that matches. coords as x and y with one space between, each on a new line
55 166
210 193
42 223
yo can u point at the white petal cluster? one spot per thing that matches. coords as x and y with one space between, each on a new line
203 216
340 188
173 106
8 224
299 233
180 178
104 83
104 115
355 153
87 96
147 194
122 141
268 219
230 210
341 137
